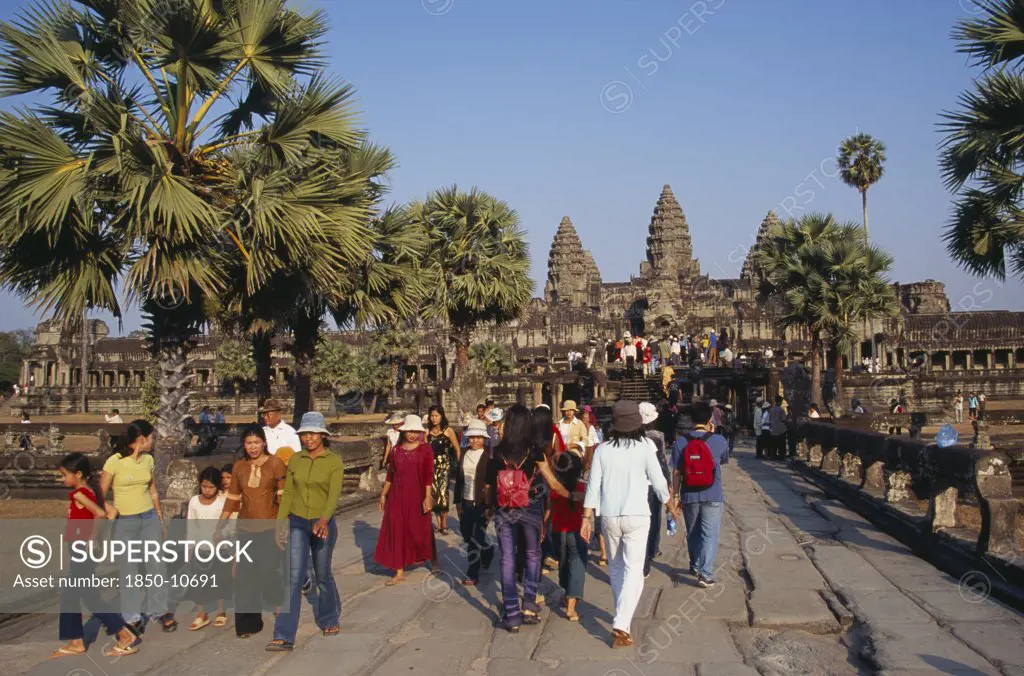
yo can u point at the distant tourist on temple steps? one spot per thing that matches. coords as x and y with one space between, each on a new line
629 354
713 348
114 418
972 406
619 344
675 351
812 412
958 406
572 359
981 406
648 358
664 351
610 352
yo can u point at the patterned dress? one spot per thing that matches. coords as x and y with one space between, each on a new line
443 453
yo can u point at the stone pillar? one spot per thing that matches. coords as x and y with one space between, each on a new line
942 508
850 468
896 486
874 478
815 455
556 395
538 394
998 506
1011 359
988 359
969 363
947 362
830 461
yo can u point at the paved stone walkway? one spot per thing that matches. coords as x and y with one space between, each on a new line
805 587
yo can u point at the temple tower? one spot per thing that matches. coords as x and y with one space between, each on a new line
750 270
573 277
669 248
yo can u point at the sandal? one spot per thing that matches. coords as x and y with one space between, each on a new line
393 581
121 650
530 617
221 620
199 622
572 615
510 628
602 562
332 631
65 651
622 639
469 582
279 646
168 623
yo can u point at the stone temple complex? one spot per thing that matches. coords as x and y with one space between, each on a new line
670 294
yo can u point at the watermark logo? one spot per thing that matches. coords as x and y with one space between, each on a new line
974 587
616 97
438 586
437 7
36 552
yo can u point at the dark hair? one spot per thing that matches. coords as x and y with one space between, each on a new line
211 474
227 468
481 407
444 418
700 413
517 440
257 431
115 411
542 427
618 438
77 462
779 399
136 430
489 402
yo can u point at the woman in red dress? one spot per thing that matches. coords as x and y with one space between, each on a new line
406 536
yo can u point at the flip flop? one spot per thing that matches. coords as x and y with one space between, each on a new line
278 646
199 623
65 651
122 650
221 620
332 631
392 582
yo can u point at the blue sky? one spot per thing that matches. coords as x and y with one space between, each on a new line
586 108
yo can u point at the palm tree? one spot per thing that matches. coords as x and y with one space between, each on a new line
861 164
394 345
166 131
494 359
234 363
824 278
984 144
477 264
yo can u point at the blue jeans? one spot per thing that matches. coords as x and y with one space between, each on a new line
324 597
474 533
530 525
703 520
572 562
135 601
73 598
654 534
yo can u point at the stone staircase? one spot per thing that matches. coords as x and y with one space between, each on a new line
640 389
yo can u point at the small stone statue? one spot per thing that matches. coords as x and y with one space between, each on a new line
55 440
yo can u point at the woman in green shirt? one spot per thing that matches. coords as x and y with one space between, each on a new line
306 526
136 506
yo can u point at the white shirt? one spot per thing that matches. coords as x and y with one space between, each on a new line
114 419
629 350
675 348
393 436
280 437
202 519
813 414
470 459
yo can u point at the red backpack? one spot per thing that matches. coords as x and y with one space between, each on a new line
513 486
697 466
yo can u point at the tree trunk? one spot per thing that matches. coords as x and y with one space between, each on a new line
238 398
838 357
816 397
84 384
867 241
394 380
261 354
304 336
373 402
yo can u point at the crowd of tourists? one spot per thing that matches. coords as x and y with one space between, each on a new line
551 487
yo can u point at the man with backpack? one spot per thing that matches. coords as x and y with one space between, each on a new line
697 481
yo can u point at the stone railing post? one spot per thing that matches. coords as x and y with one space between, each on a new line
942 507
814 457
830 461
849 469
896 486
998 506
802 451
874 478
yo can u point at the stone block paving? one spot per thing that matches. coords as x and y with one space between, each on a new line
805 586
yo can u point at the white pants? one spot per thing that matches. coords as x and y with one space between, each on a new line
626 537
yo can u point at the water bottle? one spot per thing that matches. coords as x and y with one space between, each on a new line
670 525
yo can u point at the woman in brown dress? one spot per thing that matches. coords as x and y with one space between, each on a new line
256 482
